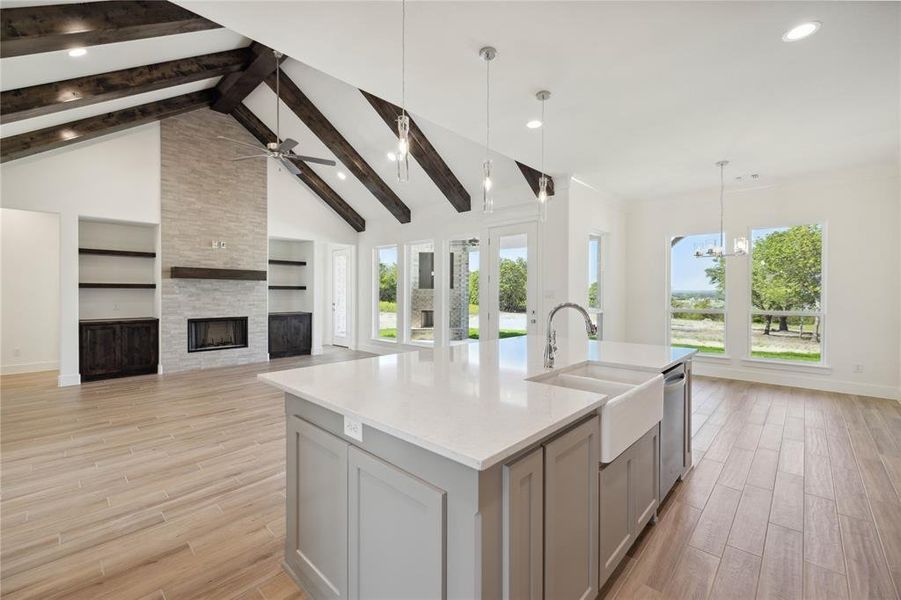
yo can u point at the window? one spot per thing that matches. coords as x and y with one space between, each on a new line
421 313
786 292
463 295
697 297
386 293
596 261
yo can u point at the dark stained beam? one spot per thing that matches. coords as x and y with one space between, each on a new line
234 88
58 136
339 146
46 28
37 100
532 176
264 135
424 153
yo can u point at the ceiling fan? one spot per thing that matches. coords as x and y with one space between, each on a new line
282 151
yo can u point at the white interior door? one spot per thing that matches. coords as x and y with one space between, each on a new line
512 301
342 295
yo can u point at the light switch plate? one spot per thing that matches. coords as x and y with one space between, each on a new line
353 429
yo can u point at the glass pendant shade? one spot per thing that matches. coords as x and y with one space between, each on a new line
542 198
403 148
487 184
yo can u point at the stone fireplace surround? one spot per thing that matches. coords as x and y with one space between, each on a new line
211 198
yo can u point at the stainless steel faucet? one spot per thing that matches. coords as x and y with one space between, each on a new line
550 346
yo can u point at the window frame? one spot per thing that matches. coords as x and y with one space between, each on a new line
821 314
408 295
375 292
602 238
446 290
724 311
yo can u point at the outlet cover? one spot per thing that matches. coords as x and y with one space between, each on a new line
353 429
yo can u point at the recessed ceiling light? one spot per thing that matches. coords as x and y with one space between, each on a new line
533 124
341 175
392 156
799 32
75 52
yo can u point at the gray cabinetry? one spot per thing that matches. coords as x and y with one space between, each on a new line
571 513
396 532
316 535
523 489
629 496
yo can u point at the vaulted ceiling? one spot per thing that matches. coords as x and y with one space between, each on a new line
646 95
146 61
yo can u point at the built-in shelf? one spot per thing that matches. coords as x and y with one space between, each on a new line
206 273
295 263
287 287
107 252
124 286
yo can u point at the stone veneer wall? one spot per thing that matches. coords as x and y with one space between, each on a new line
205 197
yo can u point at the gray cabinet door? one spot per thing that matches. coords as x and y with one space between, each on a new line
629 496
616 521
644 479
397 536
523 527
316 535
571 513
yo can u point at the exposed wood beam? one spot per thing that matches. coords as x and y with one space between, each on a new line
234 88
46 28
339 146
532 176
264 135
37 100
424 153
58 136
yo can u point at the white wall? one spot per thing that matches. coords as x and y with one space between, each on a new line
115 177
29 306
859 210
296 213
593 212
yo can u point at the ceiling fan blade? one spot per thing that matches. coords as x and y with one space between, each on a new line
291 166
243 143
313 159
287 145
251 156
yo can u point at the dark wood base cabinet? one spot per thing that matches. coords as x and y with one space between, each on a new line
118 348
290 334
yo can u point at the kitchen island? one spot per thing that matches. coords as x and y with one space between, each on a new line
472 471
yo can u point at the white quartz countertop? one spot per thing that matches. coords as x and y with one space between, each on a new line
470 403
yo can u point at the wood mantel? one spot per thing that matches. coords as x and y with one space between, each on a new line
207 273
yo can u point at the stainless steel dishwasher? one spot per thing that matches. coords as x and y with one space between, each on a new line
672 428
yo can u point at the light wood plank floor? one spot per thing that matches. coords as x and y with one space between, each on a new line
152 487
794 494
173 487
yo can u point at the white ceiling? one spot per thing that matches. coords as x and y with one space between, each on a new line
646 95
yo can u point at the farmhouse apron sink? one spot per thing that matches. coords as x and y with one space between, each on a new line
634 401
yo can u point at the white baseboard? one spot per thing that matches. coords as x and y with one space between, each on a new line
67 380
799 380
34 367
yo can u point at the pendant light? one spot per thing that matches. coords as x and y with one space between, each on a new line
403 121
487 54
740 245
542 96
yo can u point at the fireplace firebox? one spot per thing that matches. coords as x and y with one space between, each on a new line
221 333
